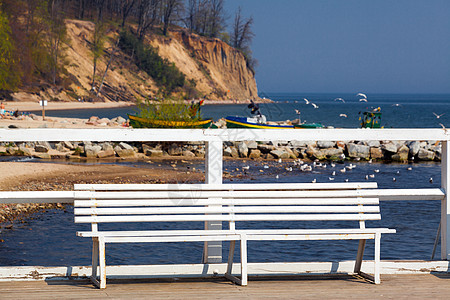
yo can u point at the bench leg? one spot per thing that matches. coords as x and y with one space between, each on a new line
243 260
94 260
230 257
101 244
359 256
377 258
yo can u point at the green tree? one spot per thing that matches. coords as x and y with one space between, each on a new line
9 77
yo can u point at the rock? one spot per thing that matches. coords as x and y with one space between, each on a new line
125 153
188 153
264 148
278 153
26 151
252 144
12 126
425 154
325 144
376 153
106 153
11 150
243 149
299 144
373 144
199 153
175 150
389 147
333 152
226 152
414 148
356 151
125 146
234 152
41 149
402 154
254 153
290 152
92 151
42 155
154 152
119 120
107 146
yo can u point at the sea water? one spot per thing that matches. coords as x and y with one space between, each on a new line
398 110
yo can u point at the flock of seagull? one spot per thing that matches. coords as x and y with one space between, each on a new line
316 165
362 98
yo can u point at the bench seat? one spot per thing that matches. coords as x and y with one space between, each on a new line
231 203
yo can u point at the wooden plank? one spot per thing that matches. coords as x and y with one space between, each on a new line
226 209
225 186
236 202
224 194
445 203
255 217
239 231
127 134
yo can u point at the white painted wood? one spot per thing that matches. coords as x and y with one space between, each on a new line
102 258
200 218
377 258
127 135
226 209
244 268
445 203
235 202
225 186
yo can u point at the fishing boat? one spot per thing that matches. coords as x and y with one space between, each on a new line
260 122
255 123
371 119
139 122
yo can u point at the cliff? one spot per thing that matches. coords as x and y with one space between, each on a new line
219 71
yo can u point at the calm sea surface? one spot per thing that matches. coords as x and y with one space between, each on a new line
49 239
399 111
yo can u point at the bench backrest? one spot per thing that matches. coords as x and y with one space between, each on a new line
106 203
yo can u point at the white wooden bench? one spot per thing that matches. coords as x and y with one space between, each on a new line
232 203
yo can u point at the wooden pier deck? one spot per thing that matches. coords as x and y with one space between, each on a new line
428 286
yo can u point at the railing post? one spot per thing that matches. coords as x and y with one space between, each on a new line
212 252
445 206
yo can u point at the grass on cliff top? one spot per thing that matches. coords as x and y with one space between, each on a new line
169 110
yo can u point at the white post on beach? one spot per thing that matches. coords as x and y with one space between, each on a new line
43 103
445 206
212 252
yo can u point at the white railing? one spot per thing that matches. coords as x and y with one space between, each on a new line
214 139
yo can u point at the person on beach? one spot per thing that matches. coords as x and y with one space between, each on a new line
2 109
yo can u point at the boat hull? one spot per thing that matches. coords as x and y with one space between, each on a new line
241 122
138 122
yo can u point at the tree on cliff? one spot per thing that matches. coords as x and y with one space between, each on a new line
206 17
170 8
9 77
242 36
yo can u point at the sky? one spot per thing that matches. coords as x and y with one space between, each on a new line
326 46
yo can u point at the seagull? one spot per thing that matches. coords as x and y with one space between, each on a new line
372 175
334 173
246 167
339 99
438 116
314 180
376 171
306 100
279 160
409 168
393 179
277 177
330 178
266 167
314 105
343 115
297 111
363 100
361 95
396 105
431 179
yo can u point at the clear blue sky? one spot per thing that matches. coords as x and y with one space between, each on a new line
375 46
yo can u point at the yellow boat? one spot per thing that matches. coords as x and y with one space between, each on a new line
138 122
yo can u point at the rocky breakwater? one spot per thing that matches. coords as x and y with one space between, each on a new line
398 151
404 151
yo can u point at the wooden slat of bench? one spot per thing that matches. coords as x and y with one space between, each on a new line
246 217
235 201
226 209
238 231
222 187
214 194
